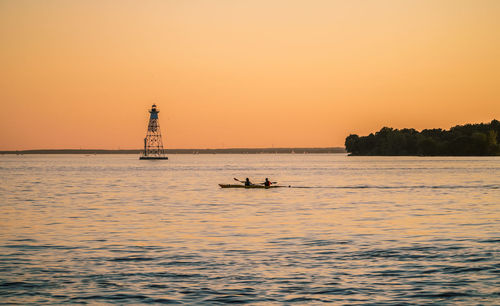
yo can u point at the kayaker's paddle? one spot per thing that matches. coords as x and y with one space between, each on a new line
238 180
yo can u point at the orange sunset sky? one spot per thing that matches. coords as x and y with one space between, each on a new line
82 74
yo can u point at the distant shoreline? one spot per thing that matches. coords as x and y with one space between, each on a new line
480 139
187 151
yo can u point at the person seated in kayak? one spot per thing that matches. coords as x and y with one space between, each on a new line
267 183
247 182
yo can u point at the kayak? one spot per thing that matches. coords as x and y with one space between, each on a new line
251 186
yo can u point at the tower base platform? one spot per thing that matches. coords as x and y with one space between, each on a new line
153 157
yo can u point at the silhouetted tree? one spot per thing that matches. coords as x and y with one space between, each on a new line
469 139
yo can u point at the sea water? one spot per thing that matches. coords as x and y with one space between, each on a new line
350 230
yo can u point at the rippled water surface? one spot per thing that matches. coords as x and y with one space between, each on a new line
382 230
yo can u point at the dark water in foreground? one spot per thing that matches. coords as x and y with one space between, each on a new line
381 230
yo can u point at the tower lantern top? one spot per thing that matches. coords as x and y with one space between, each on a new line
154 112
153 109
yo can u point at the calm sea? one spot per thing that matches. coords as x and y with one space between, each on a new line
366 230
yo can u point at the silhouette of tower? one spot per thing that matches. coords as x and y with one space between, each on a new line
153 145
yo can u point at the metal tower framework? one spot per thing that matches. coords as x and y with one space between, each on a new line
153 145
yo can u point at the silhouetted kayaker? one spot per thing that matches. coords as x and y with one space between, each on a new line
247 182
267 183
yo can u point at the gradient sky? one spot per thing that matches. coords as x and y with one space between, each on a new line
82 74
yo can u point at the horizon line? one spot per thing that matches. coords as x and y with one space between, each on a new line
191 150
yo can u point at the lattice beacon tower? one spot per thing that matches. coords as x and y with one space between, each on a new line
153 146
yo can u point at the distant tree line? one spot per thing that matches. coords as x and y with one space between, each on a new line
462 140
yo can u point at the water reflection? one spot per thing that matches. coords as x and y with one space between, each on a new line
113 229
